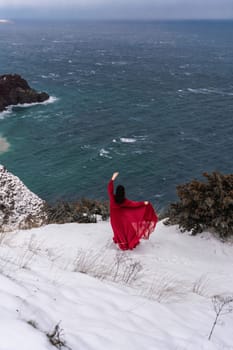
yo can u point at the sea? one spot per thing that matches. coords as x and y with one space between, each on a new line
150 99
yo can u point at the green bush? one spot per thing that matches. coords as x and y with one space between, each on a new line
204 205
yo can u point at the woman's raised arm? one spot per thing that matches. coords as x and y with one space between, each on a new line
111 186
114 175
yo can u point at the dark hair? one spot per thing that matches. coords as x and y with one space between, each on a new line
120 194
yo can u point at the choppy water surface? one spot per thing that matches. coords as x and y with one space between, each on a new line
153 100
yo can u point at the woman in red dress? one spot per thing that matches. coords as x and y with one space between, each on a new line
130 220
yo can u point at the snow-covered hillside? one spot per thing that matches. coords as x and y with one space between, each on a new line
69 284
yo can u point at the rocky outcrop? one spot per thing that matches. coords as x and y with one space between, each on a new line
15 90
19 207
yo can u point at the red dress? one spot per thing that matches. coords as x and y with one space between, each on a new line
130 220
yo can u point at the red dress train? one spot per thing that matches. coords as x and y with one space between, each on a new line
130 220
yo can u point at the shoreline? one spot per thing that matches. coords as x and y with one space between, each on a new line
8 109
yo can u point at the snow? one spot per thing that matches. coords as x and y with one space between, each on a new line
19 207
158 296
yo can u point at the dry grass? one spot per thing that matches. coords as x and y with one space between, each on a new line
200 286
56 337
222 305
165 289
122 269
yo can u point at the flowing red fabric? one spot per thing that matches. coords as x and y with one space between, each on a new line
130 220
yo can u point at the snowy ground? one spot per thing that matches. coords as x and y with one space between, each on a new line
159 296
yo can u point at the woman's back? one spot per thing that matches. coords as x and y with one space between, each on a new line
130 220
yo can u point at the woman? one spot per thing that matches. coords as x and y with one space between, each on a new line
130 220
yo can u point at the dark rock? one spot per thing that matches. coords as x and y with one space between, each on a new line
15 90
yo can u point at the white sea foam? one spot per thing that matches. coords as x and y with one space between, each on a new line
200 91
50 75
84 147
127 140
119 63
104 153
133 139
138 152
143 105
51 99
8 110
208 91
4 145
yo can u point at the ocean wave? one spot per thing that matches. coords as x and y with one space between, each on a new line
127 140
139 151
119 63
51 99
104 153
9 109
6 112
143 105
50 75
4 145
138 138
87 146
209 91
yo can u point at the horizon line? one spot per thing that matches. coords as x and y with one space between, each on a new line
11 20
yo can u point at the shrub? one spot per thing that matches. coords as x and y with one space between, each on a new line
222 306
83 211
204 205
55 337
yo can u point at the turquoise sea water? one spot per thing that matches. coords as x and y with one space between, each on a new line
153 100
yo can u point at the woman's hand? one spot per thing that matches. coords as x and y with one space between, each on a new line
146 202
114 176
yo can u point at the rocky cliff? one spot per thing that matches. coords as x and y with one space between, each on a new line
19 207
15 90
